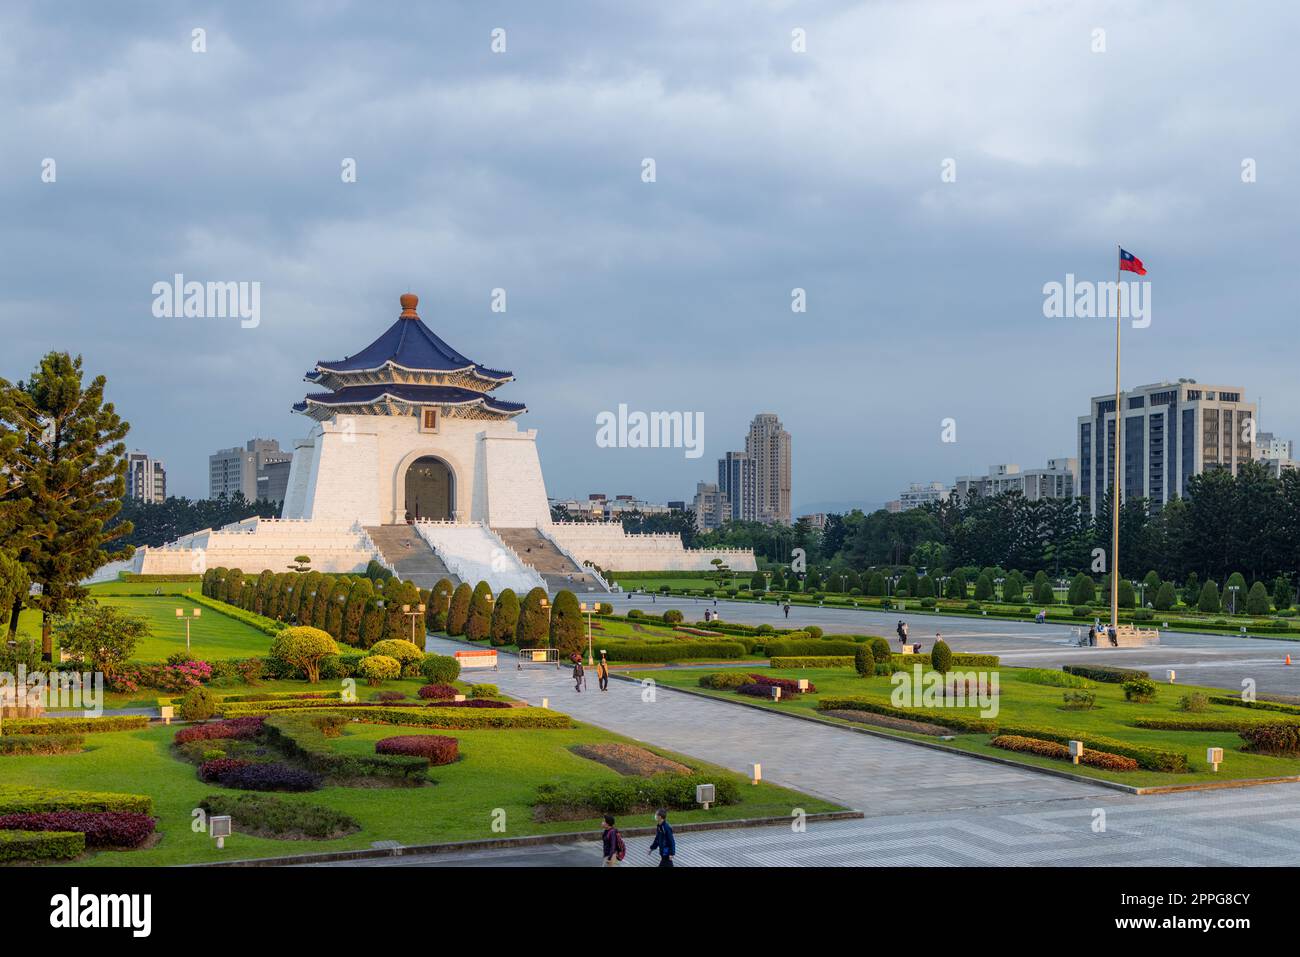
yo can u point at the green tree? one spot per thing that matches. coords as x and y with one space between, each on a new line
1257 600
103 636
1127 594
925 587
439 603
400 600
505 617
567 633
876 585
1283 597
1192 590
1043 592
479 624
65 476
984 587
360 594
1082 590
956 587
941 657
338 603
13 582
304 648
1013 589
1234 592
757 582
1209 599
1150 586
458 612
1165 597
534 620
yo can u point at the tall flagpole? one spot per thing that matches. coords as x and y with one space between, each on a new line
1114 497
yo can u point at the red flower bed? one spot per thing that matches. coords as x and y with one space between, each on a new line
211 771
1051 749
438 748
241 729
788 686
102 829
251 776
757 690
438 691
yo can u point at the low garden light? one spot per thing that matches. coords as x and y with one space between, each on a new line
220 829
705 794
755 773
1214 757
1076 751
194 613
1172 675
546 702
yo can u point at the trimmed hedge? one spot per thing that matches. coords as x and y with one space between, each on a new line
19 800
41 743
673 650
905 662
267 777
267 626
241 729
812 648
133 722
435 749
1153 759
1258 705
1114 676
1272 739
101 828
1050 749
814 661
724 680
1054 679
627 794
41 845
1203 723
943 717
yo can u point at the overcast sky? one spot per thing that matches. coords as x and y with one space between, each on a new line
775 169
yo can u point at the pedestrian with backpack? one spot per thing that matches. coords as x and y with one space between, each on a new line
664 841
612 848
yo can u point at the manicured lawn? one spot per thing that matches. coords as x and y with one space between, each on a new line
497 770
1035 705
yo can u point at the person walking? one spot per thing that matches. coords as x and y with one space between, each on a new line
579 675
612 848
787 609
1114 636
602 673
664 841
1092 637
898 629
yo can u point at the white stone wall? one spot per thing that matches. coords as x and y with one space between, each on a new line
606 544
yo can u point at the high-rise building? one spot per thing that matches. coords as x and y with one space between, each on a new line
768 448
1171 431
1060 479
146 479
918 494
736 481
711 507
258 470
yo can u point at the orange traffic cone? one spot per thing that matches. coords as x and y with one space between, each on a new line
1288 660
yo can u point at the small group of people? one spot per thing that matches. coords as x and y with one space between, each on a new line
1097 631
613 849
711 615
580 673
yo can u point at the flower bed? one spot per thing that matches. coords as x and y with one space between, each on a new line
788 686
559 802
472 703
240 729
1272 739
1050 749
249 776
436 748
122 829
262 815
437 692
211 771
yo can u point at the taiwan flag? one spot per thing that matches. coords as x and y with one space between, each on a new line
1130 263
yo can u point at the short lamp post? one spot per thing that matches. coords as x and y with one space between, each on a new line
1214 756
414 614
194 613
1233 589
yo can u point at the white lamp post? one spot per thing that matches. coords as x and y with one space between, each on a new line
194 613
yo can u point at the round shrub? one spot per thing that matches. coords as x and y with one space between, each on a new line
304 648
406 653
437 748
864 662
764 630
941 657
437 692
725 679
386 697
814 632
1081 611
484 691
380 668
198 704
440 669
672 617
1140 690
879 650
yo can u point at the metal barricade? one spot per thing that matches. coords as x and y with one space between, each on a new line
538 656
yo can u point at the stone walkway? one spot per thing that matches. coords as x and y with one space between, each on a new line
867 773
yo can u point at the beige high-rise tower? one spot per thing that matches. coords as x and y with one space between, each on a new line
768 447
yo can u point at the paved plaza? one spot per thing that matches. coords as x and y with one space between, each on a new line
923 807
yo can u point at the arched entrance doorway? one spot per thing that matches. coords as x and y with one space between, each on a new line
430 490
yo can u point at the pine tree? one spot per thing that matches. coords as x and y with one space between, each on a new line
360 594
1165 597
439 602
567 631
458 612
479 624
1209 599
505 617
1283 597
1257 600
64 481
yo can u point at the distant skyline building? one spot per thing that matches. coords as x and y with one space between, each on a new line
736 481
258 470
1172 431
711 507
1060 479
918 494
146 478
768 448
597 506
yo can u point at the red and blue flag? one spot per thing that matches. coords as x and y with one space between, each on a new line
1130 263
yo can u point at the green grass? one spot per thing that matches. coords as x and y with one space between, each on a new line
497 770
1023 703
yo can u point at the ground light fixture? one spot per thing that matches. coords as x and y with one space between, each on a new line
194 613
1172 675
755 773
1214 757
705 794
1076 751
219 828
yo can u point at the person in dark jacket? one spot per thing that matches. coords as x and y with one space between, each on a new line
612 847
664 841
1092 637
578 675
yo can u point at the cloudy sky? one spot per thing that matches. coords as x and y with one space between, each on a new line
775 170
